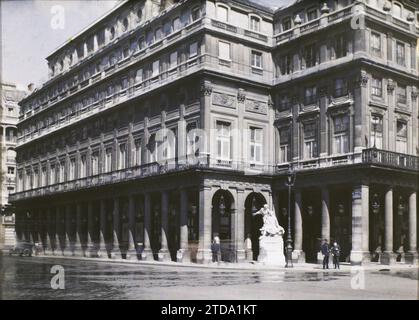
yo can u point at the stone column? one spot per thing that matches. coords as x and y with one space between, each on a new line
102 252
91 252
205 219
68 232
78 250
60 241
48 233
388 256
325 229
298 255
240 236
147 253
412 255
164 254
183 254
131 252
115 252
360 206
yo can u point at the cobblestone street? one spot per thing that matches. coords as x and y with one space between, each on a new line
30 278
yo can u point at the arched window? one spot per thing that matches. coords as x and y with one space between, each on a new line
222 13
397 10
254 23
125 24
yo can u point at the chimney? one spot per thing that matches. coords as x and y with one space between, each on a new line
31 86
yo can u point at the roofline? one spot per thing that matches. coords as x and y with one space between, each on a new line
88 28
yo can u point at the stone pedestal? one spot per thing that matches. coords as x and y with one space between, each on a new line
388 258
272 251
411 257
298 256
147 255
164 255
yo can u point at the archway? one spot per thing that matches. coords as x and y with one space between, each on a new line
252 224
223 211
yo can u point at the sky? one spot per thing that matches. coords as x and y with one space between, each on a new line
30 31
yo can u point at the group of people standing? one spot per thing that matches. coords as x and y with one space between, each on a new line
326 250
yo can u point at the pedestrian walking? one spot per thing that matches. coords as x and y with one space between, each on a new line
336 255
215 248
325 252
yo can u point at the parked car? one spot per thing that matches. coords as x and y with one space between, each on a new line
23 249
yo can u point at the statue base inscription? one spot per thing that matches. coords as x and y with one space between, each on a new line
271 251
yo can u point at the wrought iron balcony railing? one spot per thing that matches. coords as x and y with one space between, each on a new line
370 156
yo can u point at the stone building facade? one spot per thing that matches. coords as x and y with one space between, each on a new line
9 113
329 89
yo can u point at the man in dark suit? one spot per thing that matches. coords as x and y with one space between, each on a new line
325 252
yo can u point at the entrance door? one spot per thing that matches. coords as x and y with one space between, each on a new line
222 223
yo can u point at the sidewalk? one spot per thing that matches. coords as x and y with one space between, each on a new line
245 266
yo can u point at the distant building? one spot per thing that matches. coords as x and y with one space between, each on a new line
328 88
9 112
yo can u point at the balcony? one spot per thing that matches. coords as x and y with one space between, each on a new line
390 159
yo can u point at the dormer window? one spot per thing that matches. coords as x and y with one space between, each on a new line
112 33
255 24
195 14
139 14
125 24
222 13
286 24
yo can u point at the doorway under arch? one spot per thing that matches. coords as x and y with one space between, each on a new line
252 224
223 211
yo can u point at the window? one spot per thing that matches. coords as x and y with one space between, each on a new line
284 144
224 50
193 49
156 68
286 64
108 160
122 161
72 169
310 55
125 52
222 13
255 24
312 14
284 103
341 134
310 96
137 152
139 75
176 24
195 14
397 10
376 44
401 94
95 163
310 140
125 24
112 33
83 167
173 60
52 178
376 133
401 138
192 139
158 34
340 88
149 38
377 87
286 24
256 136
340 46
223 140
256 59
400 53
139 14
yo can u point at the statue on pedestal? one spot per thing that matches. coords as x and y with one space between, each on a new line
270 241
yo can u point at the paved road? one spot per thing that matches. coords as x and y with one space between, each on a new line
30 278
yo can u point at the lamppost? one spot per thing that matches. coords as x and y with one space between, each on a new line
290 183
